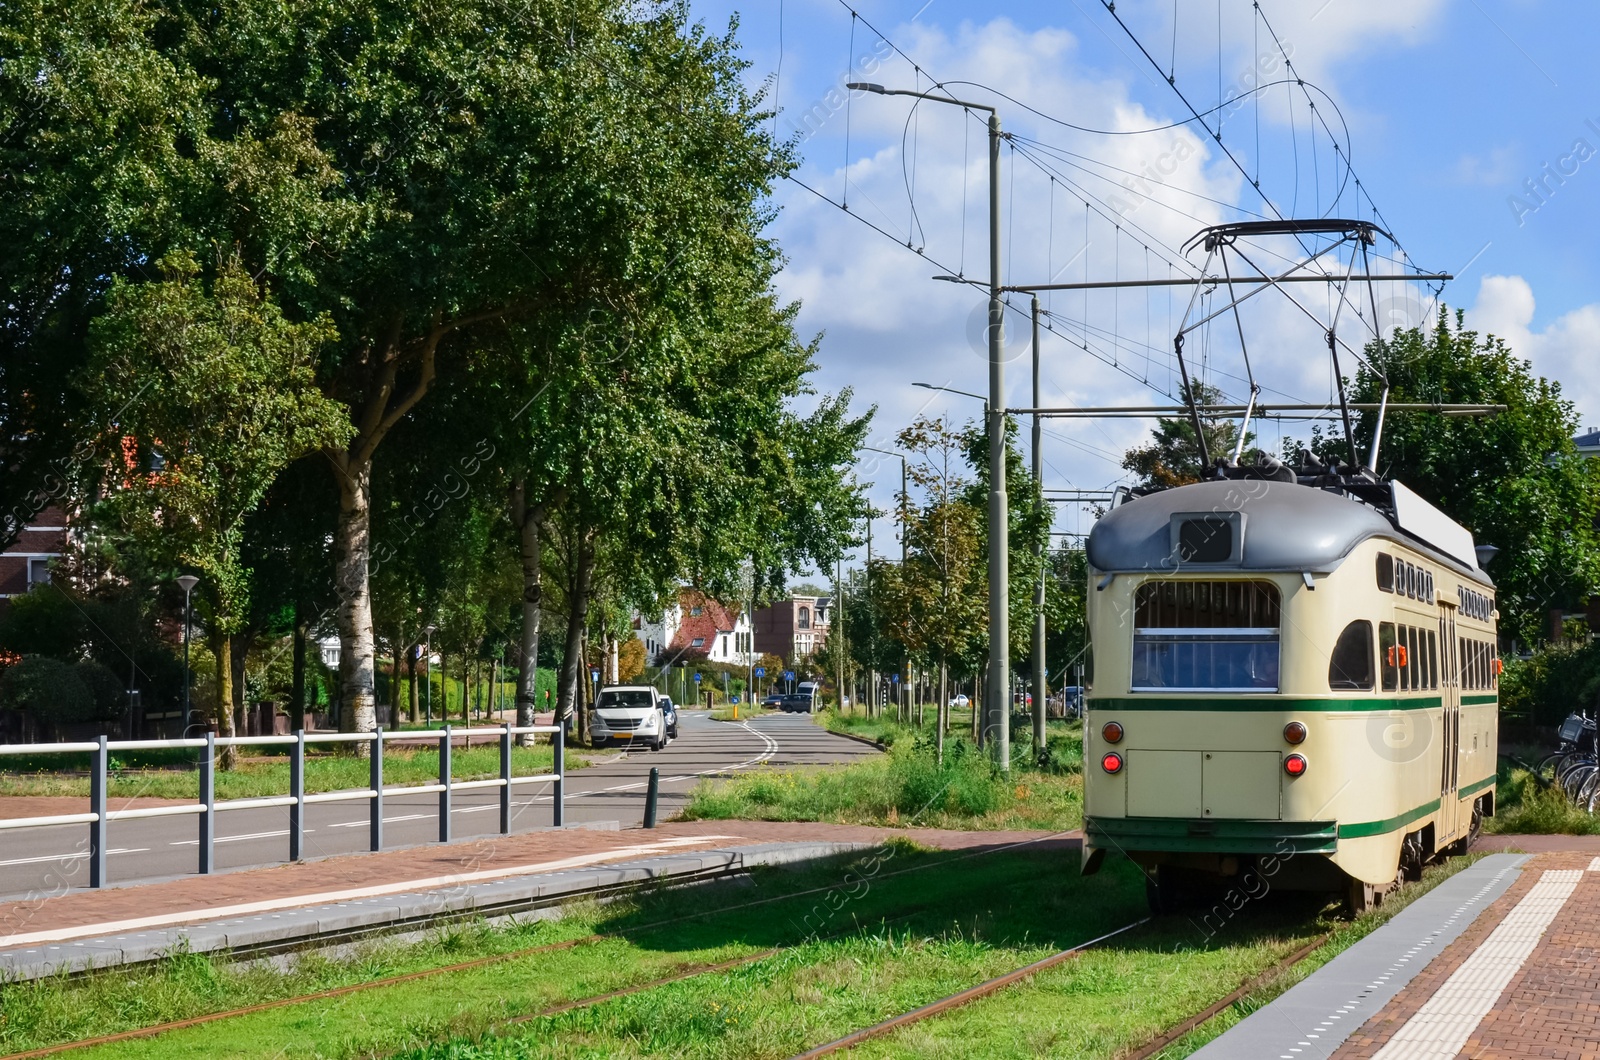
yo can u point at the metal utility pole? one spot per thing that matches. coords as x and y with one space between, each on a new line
838 624
999 697
1040 673
872 642
187 582
427 672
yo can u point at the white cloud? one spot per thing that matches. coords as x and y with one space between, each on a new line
1567 349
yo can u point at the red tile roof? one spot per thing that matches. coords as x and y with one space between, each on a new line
714 618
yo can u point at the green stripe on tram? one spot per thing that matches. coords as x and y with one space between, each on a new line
1370 828
1274 704
1478 701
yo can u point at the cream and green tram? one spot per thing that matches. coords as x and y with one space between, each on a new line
1291 680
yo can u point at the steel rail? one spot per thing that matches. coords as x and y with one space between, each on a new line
956 1000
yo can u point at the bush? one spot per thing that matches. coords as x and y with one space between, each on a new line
105 688
48 689
1552 684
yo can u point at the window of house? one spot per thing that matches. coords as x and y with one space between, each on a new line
38 572
804 620
1206 636
1350 669
696 611
698 642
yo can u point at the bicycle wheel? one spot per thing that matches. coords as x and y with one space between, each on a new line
1576 778
1549 766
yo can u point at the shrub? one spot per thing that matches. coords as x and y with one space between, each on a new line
48 689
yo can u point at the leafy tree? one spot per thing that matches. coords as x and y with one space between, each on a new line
1514 478
1172 456
229 400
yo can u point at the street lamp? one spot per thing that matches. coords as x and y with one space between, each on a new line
999 698
953 390
427 671
186 582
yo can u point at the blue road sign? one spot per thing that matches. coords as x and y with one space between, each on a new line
734 699
761 671
788 675
895 678
697 678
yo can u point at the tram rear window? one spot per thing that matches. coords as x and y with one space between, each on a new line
1205 636
1386 572
1205 539
1350 668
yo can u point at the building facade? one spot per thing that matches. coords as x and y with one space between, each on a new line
27 562
696 629
793 629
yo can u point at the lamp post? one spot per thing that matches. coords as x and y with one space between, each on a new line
1040 673
904 512
427 672
999 698
186 582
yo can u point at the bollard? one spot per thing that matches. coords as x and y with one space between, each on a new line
97 806
208 802
375 829
505 779
444 779
650 795
297 791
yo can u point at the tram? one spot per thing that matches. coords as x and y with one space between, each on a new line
1295 675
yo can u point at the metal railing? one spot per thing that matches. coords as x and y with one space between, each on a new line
207 808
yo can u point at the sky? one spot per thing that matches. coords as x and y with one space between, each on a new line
1472 126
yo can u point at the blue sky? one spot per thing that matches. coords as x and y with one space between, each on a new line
1452 107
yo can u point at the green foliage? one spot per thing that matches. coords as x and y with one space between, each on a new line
50 690
1513 479
1552 683
1172 456
1523 807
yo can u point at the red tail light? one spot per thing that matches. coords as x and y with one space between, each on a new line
1111 762
1295 765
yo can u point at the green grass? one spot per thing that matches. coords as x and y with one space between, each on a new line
746 712
257 777
1522 807
907 786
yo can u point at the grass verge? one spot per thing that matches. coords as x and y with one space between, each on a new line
174 778
1522 807
907 786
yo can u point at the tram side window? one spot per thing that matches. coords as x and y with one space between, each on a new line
1388 657
1350 669
1386 572
1206 636
1433 659
1414 657
1465 662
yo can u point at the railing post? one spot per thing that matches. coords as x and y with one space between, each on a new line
97 806
376 830
208 803
444 779
505 777
297 790
560 745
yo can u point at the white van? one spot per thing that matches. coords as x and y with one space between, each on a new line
811 690
628 715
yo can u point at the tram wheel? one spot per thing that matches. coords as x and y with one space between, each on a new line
1361 897
1163 893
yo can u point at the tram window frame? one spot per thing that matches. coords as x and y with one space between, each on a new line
1352 649
1207 636
1385 572
1389 673
1433 659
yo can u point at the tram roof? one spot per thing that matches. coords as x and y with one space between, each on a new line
1286 527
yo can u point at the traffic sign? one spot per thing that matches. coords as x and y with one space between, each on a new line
734 699
761 671
595 674
788 675
697 677
895 678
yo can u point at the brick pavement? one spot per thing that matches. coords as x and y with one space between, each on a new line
197 894
1551 1007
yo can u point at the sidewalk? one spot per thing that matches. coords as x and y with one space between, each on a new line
495 875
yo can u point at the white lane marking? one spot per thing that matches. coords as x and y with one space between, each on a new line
1594 866
370 891
79 854
232 838
1443 1024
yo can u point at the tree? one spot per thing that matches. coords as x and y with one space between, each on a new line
229 400
1172 456
1514 479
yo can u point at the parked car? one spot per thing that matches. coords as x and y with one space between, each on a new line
669 710
1072 701
797 703
774 701
960 700
628 715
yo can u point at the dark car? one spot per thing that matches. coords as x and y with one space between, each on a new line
775 700
798 703
669 710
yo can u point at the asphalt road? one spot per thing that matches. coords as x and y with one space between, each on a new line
42 861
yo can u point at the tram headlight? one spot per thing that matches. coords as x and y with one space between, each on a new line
1295 765
1111 732
1111 762
1295 732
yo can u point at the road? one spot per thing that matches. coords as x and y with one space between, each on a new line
41 861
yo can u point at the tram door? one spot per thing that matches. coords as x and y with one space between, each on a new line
1450 729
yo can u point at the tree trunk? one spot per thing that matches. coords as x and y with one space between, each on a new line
394 679
297 694
223 644
241 645
572 697
941 713
530 522
353 550
412 655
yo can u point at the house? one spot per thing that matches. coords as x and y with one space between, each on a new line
26 562
794 628
1588 443
696 629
